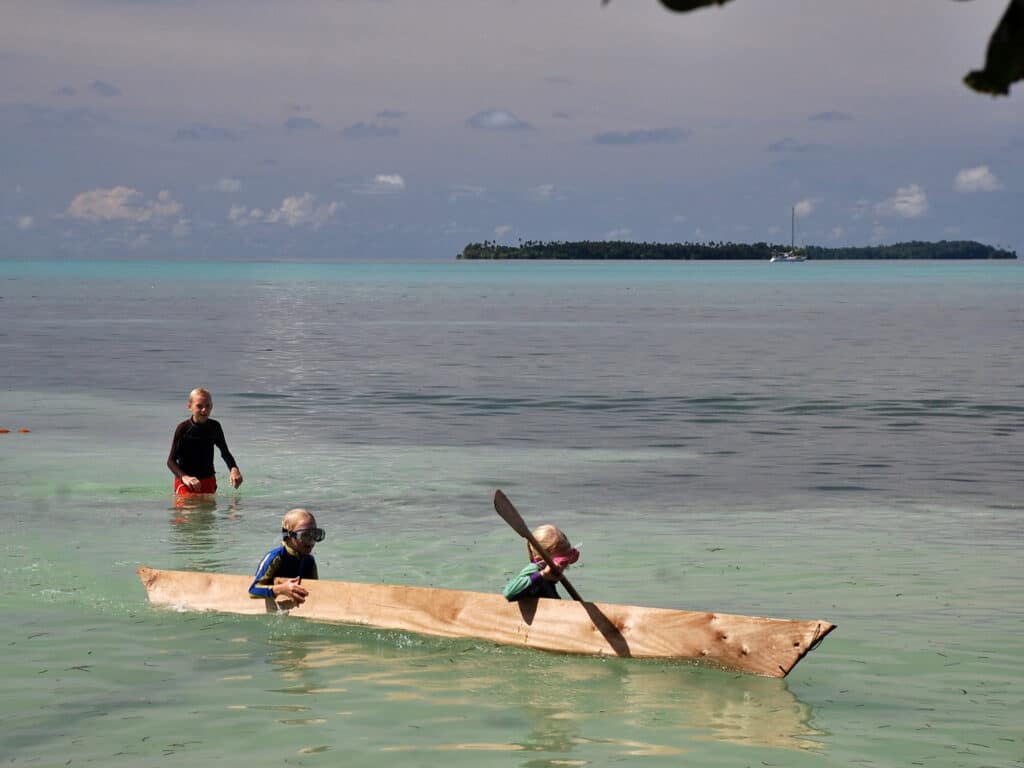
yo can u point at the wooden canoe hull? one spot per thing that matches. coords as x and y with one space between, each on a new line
761 646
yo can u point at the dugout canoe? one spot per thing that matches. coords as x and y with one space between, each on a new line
761 646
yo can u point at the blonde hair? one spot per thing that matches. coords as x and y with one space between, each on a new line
552 539
197 392
294 517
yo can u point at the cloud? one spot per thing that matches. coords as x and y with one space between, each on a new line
909 202
803 208
294 211
542 192
301 124
837 233
792 145
105 89
182 228
638 137
369 131
67 90
122 204
76 121
497 120
384 184
831 117
228 185
390 114
501 230
203 132
465 192
240 215
25 223
979 179
860 209
299 211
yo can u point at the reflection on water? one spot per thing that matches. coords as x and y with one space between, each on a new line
194 529
547 703
742 709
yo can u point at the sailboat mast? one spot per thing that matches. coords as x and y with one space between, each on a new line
792 228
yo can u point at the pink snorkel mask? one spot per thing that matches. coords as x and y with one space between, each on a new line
563 561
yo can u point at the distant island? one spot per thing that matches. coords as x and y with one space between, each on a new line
618 250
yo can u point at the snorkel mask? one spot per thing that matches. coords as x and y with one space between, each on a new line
306 536
563 561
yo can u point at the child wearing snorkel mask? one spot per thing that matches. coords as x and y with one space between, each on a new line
285 566
538 579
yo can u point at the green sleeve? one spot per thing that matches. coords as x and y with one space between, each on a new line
521 582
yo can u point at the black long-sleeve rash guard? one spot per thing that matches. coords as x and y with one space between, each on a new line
192 448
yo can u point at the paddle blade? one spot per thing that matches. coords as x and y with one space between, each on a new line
511 515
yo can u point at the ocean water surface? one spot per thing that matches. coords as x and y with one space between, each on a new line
833 440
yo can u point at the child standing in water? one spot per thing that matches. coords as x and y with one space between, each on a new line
292 560
191 456
538 579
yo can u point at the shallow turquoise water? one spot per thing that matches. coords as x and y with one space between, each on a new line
841 444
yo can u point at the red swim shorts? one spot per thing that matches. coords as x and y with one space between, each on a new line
206 485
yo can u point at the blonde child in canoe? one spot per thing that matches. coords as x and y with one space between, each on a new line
292 560
538 579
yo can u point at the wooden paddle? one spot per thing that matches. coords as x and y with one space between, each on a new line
511 515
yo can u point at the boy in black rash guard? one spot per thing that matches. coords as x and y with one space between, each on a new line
191 456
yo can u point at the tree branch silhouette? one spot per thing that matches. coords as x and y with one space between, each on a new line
1004 57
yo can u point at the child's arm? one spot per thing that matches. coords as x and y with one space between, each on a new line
192 483
265 584
222 444
528 583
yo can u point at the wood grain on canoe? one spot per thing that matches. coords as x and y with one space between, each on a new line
762 646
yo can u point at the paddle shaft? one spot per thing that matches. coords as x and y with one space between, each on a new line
511 515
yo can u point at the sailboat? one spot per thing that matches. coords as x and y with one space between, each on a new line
791 254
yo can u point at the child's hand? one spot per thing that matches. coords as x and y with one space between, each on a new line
192 483
293 589
236 477
551 574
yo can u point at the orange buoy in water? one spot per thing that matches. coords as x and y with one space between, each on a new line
24 431
4 431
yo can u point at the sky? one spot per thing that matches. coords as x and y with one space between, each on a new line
405 129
